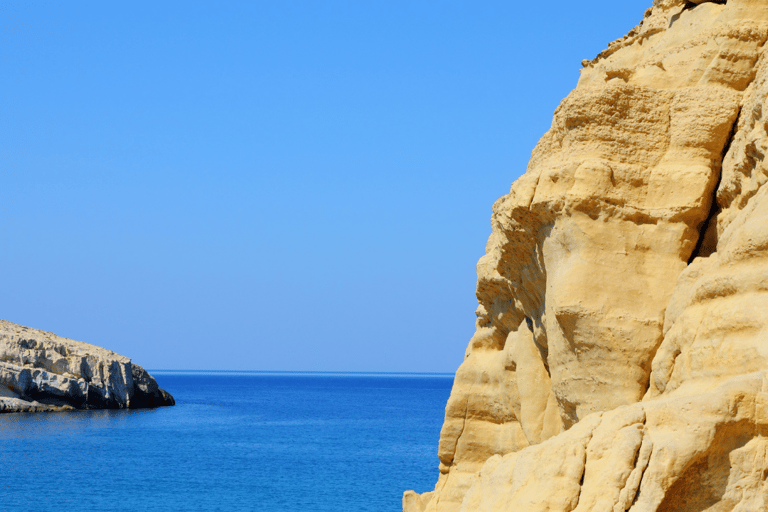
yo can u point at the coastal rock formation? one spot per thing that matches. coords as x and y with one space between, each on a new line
40 371
620 360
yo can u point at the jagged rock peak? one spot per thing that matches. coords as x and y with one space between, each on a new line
620 359
40 371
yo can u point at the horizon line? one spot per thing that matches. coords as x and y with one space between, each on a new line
300 372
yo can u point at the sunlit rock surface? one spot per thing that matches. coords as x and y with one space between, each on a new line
620 359
40 371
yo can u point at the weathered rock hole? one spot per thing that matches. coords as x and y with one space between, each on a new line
707 242
692 5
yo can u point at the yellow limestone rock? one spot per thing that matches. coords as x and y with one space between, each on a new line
621 350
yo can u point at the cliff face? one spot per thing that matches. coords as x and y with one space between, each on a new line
40 371
620 360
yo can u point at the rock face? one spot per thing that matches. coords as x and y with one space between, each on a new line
620 360
40 371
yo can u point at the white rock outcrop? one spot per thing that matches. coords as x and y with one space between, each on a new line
40 371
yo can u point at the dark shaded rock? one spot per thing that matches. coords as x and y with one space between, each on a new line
146 391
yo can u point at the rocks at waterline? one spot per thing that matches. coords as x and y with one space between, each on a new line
40 371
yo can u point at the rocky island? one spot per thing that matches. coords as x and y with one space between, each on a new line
620 359
40 371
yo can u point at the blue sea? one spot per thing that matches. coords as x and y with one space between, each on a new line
234 441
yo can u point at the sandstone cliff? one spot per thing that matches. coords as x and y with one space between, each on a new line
620 360
40 371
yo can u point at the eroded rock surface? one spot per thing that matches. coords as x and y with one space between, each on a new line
40 371
621 350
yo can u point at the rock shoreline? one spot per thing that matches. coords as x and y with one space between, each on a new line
43 372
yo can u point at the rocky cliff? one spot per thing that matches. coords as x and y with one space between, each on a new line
40 371
620 360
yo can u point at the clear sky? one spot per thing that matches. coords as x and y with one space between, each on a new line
271 185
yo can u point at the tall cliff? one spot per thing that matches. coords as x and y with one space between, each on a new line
620 360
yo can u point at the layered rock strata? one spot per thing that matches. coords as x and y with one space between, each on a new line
40 371
620 360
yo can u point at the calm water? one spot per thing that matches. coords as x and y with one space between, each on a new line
233 442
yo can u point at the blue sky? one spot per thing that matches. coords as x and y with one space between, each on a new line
292 185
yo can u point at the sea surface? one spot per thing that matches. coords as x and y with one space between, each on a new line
234 441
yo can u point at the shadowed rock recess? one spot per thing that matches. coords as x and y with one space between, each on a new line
620 361
40 371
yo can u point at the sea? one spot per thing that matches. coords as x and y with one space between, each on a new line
235 441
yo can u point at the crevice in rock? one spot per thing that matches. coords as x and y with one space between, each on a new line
707 242
640 464
540 342
706 245
652 355
642 474
535 187
637 451
584 464
463 423
637 493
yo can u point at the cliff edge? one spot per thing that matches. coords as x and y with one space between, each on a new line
40 371
620 359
